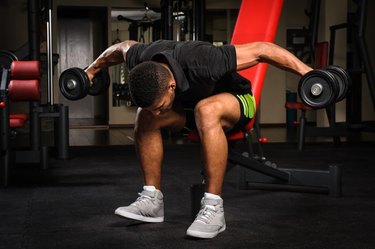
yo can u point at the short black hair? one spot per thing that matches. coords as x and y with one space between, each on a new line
147 81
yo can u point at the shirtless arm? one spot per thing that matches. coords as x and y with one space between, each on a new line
250 54
113 55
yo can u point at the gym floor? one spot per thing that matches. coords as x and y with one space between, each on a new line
71 204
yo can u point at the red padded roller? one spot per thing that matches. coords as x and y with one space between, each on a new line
17 120
257 21
25 70
24 90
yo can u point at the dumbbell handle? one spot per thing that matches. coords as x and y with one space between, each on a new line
91 71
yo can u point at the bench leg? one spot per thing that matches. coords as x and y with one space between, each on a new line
301 133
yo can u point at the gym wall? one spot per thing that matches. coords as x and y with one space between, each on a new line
14 34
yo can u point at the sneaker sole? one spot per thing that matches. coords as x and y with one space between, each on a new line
204 235
138 217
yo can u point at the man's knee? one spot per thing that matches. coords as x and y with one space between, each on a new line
207 114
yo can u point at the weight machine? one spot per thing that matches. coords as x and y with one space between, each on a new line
36 153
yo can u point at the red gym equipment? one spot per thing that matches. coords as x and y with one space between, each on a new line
22 83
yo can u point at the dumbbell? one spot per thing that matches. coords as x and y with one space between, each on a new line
343 80
75 84
321 88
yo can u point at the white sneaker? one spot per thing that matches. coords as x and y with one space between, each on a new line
210 220
149 207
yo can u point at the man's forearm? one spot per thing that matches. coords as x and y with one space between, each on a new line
113 55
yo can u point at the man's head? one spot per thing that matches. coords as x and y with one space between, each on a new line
152 86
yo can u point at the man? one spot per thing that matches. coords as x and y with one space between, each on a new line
166 77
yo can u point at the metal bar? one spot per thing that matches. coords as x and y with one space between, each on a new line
302 130
50 99
308 177
332 41
287 187
4 112
301 180
62 133
338 131
34 54
34 29
3 84
167 19
35 126
4 130
331 115
314 23
199 8
250 163
335 186
368 67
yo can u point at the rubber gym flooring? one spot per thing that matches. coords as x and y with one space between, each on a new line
71 204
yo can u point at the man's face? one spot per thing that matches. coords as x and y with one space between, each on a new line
165 103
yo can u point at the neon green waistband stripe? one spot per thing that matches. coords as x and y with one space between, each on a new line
244 105
248 103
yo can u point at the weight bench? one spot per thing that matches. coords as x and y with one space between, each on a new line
257 21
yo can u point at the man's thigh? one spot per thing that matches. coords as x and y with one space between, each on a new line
225 107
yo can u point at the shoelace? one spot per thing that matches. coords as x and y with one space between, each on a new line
141 200
207 214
